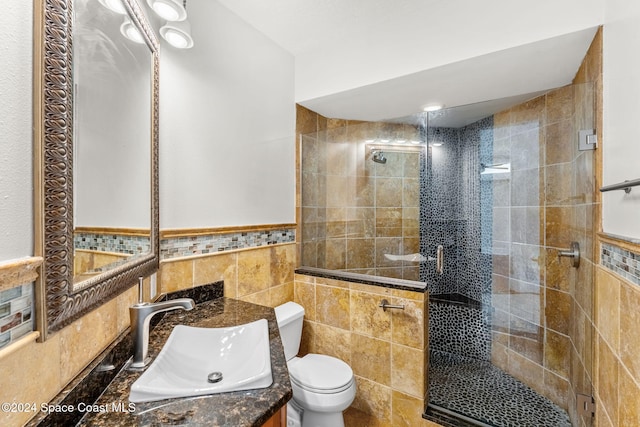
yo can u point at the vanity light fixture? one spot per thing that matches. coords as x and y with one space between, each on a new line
131 32
114 6
177 34
169 10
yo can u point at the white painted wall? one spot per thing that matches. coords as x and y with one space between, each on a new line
227 126
16 178
621 148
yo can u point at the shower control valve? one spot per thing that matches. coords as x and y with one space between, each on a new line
572 252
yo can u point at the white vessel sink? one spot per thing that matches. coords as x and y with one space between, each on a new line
182 369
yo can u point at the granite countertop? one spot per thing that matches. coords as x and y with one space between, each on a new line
112 406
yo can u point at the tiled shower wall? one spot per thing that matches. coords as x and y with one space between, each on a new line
354 210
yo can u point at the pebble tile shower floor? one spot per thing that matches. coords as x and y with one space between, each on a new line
479 390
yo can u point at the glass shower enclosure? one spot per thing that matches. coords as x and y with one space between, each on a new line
476 201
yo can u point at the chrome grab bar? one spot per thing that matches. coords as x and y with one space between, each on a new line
440 260
384 304
626 186
572 252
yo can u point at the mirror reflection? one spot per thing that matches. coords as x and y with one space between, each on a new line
112 75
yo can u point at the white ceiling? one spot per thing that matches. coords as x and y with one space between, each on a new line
302 26
328 37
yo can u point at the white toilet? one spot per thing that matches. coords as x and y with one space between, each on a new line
323 386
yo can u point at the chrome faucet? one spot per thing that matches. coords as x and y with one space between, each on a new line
141 314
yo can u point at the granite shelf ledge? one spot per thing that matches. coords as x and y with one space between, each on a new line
241 408
365 279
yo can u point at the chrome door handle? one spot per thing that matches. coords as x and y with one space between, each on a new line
440 260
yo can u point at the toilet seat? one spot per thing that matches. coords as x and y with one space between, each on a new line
319 373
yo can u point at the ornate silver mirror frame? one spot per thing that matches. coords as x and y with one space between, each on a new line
57 304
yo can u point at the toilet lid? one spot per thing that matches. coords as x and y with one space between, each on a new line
318 372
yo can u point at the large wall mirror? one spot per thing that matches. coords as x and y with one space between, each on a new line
96 132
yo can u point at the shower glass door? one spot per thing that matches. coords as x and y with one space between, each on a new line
509 319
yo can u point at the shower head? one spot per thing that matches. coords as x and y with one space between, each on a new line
378 157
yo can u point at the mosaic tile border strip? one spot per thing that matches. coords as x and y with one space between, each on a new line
16 313
177 247
621 261
111 242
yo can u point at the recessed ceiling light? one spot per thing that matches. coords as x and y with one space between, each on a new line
433 107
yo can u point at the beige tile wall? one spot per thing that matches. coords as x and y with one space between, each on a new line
86 260
386 350
616 350
262 275
617 346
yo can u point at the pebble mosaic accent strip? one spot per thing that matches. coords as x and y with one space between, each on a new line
621 261
111 243
199 245
16 308
483 392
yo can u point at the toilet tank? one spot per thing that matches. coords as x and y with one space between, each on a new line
290 317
